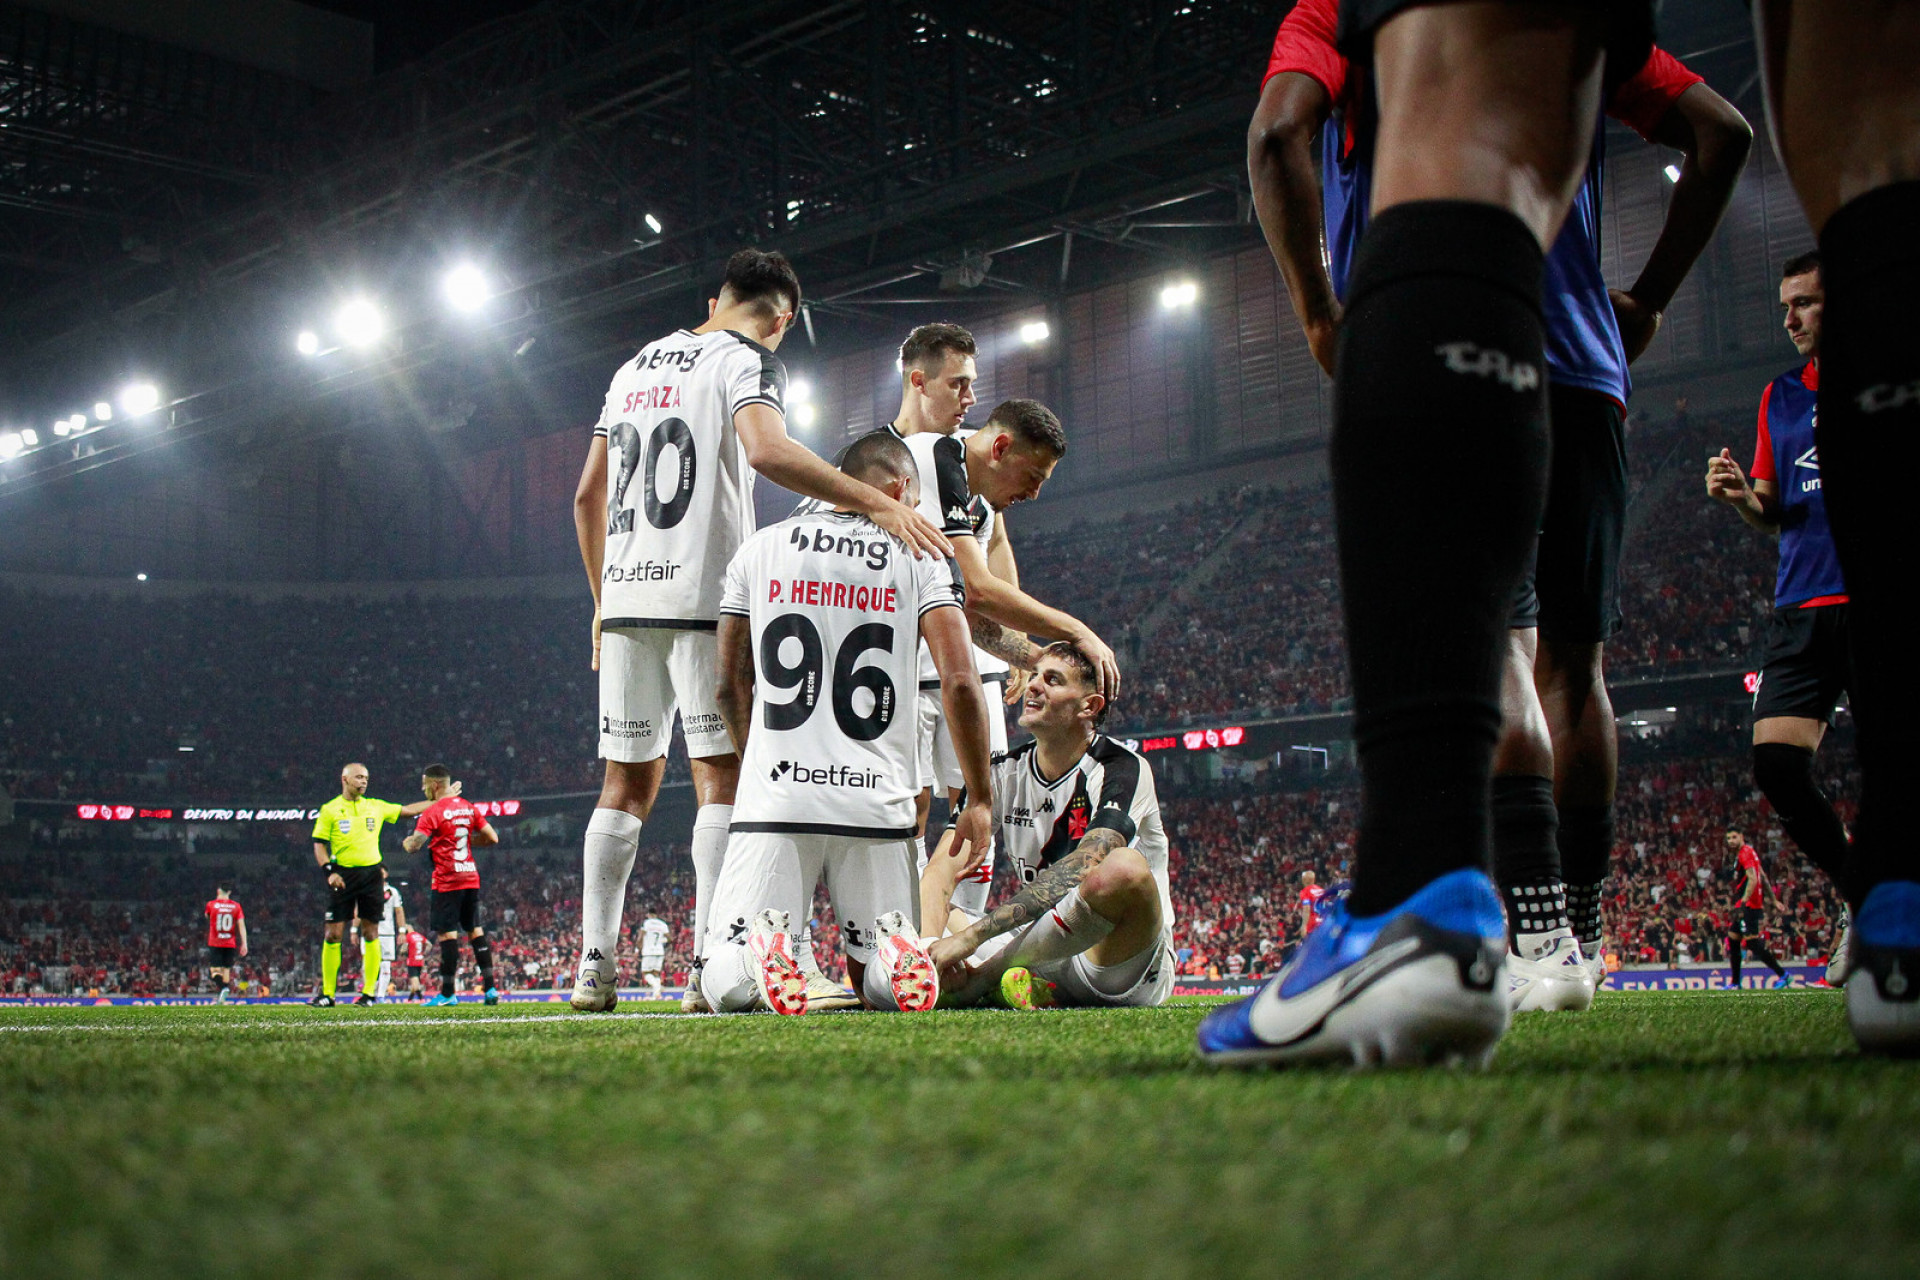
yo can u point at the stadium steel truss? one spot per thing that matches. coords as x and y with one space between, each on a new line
168 207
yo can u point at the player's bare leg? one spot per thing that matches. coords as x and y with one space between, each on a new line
612 840
715 779
1572 686
1844 103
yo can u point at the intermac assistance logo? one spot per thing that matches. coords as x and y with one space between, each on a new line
833 775
612 728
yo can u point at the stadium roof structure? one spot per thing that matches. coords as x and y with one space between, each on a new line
171 214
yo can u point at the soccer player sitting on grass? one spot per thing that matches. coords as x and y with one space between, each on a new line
1092 923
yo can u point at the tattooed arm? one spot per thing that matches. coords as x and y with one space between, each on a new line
1003 642
1035 898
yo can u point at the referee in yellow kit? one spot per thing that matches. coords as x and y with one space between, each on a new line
346 844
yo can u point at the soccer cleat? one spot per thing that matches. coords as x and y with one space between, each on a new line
1840 963
1424 982
436 1002
1559 981
225 997
593 991
824 995
366 997
1779 981
321 1001
1021 988
492 996
783 987
909 969
1883 985
691 1000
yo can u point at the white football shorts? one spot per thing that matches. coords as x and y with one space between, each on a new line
779 869
646 675
939 764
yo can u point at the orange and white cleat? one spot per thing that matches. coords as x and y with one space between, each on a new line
909 969
782 983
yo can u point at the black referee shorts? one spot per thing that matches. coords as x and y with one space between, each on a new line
1630 29
455 910
1809 664
1572 588
363 894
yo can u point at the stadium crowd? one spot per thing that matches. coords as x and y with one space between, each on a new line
131 921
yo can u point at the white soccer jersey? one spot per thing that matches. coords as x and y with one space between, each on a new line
653 936
1040 821
834 604
388 925
949 502
679 490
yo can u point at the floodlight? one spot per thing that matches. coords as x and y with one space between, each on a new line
61 427
806 415
466 287
799 391
359 323
308 343
102 412
137 398
139 577
1181 293
1034 331
78 422
29 437
653 224
10 444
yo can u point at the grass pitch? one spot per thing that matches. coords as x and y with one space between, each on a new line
1695 1135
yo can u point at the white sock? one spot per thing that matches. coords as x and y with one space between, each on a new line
613 837
1067 930
726 979
803 953
709 855
875 986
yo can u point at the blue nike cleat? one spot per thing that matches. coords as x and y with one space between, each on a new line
437 1001
492 996
1421 983
1780 982
1883 970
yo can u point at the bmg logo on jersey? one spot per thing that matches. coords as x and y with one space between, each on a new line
833 775
876 553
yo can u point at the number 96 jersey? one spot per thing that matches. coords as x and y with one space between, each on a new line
833 604
679 490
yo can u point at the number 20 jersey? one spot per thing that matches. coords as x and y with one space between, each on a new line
833 604
679 490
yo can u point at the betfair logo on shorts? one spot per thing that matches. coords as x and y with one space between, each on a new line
1485 362
875 551
833 775
613 728
641 571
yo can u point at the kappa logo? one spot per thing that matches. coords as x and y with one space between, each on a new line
958 515
594 955
1485 362
1887 396
1047 805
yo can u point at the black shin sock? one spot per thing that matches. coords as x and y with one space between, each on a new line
1733 959
1586 847
449 964
1441 352
1765 956
1785 775
1526 859
1869 442
483 956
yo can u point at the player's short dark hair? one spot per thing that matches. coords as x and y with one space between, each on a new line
1032 424
436 771
877 455
927 347
763 278
1083 667
221 886
1801 263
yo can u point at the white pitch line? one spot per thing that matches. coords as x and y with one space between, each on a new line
358 1024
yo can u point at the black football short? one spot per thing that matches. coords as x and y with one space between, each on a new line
1809 664
364 894
456 910
415 969
1748 922
1630 29
1572 588
222 957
